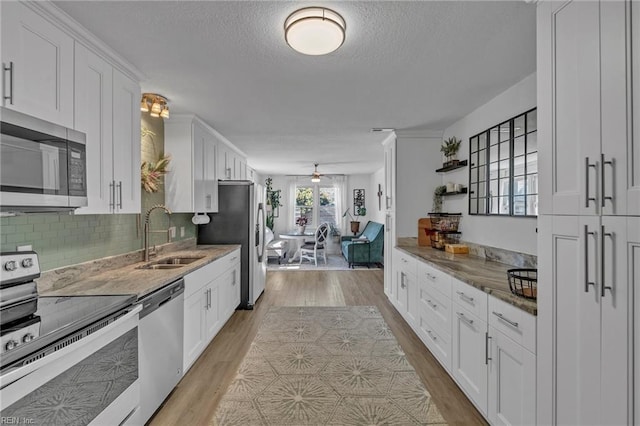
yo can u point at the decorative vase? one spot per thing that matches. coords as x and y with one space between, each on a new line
355 227
301 229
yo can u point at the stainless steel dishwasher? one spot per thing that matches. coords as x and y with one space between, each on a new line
161 348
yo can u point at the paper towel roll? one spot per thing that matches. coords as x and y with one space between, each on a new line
200 219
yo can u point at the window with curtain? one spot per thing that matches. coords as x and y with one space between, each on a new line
319 203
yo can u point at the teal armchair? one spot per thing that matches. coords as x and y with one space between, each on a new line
364 253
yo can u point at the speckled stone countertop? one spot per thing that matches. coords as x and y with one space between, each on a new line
131 280
486 275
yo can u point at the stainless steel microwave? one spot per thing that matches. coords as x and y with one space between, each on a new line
43 166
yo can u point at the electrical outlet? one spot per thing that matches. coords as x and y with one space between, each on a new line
182 231
172 232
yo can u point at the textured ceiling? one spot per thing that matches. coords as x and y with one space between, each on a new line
404 65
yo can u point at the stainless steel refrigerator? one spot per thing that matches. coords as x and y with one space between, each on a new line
241 220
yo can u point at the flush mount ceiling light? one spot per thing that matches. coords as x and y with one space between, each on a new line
155 104
314 30
315 177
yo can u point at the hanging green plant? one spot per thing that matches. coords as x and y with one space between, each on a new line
437 198
151 173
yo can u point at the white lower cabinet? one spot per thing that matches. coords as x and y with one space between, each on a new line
488 346
469 359
512 382
211 295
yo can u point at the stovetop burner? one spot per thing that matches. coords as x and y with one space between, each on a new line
28 321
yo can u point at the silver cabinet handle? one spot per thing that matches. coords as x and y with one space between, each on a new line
505 319
430 333
603 286
587 283
586 169
486 348
234 277
430 303
602 179
402 284
112 195
208 201
465 319
120 194
233 258
10 69
464 297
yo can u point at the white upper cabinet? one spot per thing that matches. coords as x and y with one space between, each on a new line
231 164
588 156
126 143
37 60
192 185
107 110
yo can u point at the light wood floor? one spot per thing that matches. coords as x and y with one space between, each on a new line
194 400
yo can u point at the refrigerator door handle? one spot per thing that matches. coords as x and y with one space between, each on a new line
260 231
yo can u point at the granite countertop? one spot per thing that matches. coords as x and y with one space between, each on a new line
131 280
486 275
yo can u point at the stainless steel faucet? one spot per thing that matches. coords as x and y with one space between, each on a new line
146 228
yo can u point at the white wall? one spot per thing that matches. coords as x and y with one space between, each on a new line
376 214
511 233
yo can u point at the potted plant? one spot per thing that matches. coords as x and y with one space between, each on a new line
302 223
450 148
273 203
437 198
355 225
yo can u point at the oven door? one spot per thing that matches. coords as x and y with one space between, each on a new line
91 381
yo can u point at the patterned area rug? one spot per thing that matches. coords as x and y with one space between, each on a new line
326 366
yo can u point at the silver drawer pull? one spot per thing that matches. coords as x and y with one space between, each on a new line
465 319
233 258
465 297
507 320
434 338
433 305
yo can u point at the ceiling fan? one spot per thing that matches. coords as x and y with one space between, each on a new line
315 177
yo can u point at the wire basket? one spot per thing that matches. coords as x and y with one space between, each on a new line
445 222
524 282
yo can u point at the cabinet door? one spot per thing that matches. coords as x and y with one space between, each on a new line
512 382
41 81
389 280
213 314
568 107
618 253
469 364
93 116
569 320
389 174
194 319
126 143
210 176
633 159
620 190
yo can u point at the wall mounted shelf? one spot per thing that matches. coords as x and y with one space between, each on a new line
460 165
462 191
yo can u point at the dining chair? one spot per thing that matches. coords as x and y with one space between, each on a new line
310 250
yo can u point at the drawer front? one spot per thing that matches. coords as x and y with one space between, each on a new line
470 298
436 279
513 323
404 262
437 307
437 341
197 279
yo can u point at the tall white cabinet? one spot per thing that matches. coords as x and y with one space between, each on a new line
106 108
192 186
588 231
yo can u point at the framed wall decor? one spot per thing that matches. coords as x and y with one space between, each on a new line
359 203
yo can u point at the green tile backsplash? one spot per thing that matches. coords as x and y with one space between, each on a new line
62 239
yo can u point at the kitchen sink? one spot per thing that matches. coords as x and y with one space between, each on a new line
177 260
169 263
